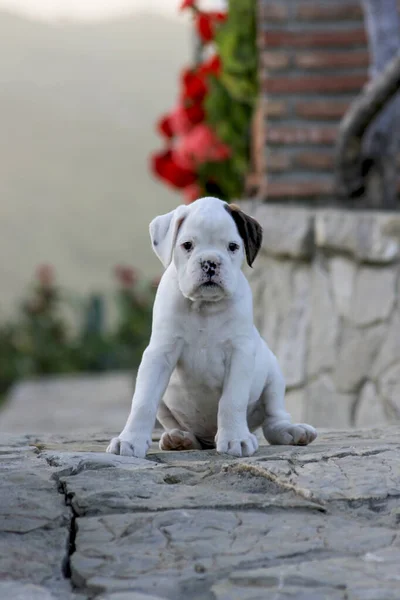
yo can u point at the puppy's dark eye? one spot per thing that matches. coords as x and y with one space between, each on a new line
187 246
233 247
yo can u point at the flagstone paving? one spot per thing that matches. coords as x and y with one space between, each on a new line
319 522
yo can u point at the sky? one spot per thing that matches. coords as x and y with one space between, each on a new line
95 9
86 9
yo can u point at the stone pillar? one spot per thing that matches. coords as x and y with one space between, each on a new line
313 62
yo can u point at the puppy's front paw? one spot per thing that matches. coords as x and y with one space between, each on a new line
244 444
299 434
135 445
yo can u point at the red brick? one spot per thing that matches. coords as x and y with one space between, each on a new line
314 161
311 11
275 108
274 60
299 189
309 39
321 109
272 13
316 83
325 60
277 162
292 134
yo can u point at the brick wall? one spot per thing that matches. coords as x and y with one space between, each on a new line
313 62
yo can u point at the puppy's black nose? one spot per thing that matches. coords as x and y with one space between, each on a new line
209 267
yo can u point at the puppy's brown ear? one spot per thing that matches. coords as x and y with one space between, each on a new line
249 230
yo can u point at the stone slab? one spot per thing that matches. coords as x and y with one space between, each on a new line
92 491
285 233
378 287
372 576
368 236
295 232
349 475
24 591
369 408
34 526
159 553
290 522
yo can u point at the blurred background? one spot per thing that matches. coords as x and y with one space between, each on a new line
114 111
82 84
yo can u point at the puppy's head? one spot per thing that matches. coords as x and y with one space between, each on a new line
207 242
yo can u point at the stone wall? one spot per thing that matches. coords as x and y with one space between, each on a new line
327 300
313 62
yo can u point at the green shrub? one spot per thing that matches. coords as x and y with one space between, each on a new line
43 339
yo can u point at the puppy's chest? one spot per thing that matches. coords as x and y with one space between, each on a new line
205 355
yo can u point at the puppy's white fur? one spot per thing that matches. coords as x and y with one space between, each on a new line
229 381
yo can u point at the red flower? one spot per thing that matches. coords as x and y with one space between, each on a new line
181 120
211 67
194 86
194 81
206 23
180 123
126 276
164 126
187 4
195 113
191 193
45 276
164 165
200 145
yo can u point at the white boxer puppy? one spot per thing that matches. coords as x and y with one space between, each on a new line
229 381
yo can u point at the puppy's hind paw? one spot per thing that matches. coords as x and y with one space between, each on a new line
299 434
179 440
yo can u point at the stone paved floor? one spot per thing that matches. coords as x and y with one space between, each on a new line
312 523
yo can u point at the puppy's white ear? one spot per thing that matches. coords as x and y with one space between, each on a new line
163 233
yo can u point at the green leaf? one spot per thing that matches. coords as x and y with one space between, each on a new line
231 100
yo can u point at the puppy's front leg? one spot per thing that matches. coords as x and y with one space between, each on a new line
153 376
278 427
233 435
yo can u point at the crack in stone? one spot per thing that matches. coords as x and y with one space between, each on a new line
167 536
307 556
293 458
71 543
292 462
65 566
234 532
247 507
71 548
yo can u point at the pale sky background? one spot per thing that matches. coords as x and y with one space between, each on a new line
94 9
86 9
78 133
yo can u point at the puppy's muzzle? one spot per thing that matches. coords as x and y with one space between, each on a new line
210 267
